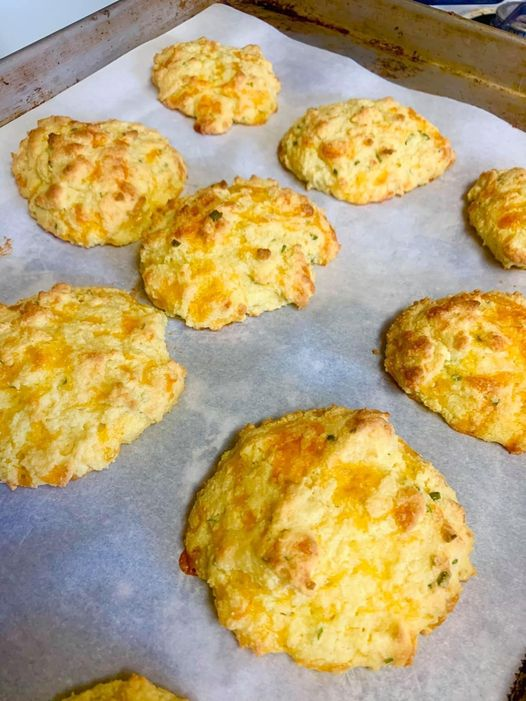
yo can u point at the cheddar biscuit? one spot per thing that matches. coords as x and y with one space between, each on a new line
323 535
96 183
216 84
497 210
136 688
464 357
82 370
234 251
364 151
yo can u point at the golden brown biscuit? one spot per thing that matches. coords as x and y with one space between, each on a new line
216 84
364 151
464 357
96 183
323 535
233 251
497 210
134 689
82 370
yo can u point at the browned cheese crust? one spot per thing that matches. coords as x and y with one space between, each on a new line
464 357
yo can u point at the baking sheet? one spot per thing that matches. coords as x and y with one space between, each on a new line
89 578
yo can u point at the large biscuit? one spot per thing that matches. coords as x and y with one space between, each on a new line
364 150
233 251
497 210
136 688
464 357
323 535
216 84
96 183
82 370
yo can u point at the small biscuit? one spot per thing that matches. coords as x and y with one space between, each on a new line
82 370
464 357
323 535
364 151
233 251
96 183
134 689
497 210
216 84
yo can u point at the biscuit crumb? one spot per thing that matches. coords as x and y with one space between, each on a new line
6 247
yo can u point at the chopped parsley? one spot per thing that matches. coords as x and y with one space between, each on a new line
331 437
388 660
335 171
454 561
443 578
175 243
319 632
215 215
283 247
435 496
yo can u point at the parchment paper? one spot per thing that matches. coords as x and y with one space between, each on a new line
89 579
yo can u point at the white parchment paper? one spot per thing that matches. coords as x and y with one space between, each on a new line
89 579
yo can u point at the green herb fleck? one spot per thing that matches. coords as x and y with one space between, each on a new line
356 163
428 508
335 171
314 237
319 632
435 496
212 519
215 215
331 437
64 381
424 135
175 243
388 660
295 142
283 247
454 562
409 138
378 156
443 578
495 401
456 378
